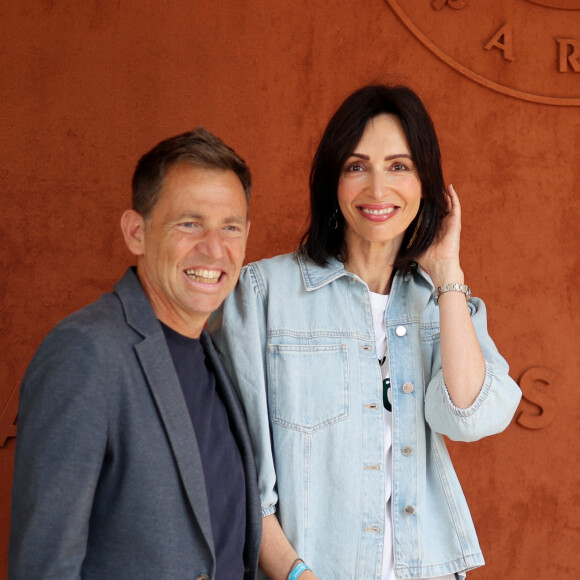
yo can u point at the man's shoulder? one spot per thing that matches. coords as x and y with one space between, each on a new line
104 324
97 316
112 310
89 333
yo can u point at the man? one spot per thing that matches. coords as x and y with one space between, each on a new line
133 458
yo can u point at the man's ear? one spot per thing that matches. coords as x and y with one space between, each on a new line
133 228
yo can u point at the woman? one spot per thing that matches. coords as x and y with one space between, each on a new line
355 354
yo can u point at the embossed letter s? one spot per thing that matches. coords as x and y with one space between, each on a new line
532 394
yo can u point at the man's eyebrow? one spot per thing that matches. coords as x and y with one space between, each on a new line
236 219
387 158
188 215
198 216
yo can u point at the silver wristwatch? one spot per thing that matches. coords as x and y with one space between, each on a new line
455 287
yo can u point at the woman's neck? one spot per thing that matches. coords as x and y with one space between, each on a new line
374 267
372 260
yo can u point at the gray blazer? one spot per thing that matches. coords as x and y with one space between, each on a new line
108 481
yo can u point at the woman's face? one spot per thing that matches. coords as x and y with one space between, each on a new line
379 191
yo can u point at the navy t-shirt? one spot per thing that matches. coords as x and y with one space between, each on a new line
220 456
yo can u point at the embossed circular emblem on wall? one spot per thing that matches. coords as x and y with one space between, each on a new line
527 49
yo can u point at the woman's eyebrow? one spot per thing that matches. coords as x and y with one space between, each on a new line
387 158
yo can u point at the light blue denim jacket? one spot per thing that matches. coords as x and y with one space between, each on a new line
299 342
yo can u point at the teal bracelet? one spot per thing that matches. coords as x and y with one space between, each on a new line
295 572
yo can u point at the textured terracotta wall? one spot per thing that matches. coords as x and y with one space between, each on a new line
87 86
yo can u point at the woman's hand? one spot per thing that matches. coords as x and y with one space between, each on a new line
461 357
441 259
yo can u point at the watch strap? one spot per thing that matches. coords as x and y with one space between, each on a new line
453 287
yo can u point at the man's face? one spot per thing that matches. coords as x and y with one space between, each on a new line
192 245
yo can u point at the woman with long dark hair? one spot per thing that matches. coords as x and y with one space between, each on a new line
355 355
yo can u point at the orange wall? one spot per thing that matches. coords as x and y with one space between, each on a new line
88 86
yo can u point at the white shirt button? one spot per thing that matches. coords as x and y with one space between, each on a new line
400 331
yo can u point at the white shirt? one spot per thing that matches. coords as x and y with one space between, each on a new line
379 306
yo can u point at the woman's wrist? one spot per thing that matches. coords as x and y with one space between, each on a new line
449 274
297 569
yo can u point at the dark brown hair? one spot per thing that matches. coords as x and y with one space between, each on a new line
198 147
343 133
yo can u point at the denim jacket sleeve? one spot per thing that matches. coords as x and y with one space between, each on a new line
496 403
238 330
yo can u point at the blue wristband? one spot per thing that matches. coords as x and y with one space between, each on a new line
295 572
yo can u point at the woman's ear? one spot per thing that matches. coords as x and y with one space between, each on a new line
133 228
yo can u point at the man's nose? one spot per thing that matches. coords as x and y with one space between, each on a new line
211 244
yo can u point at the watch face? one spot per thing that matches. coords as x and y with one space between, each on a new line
528 49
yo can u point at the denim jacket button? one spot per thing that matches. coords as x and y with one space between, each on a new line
409 510
408 388
400 331
366 347
407 450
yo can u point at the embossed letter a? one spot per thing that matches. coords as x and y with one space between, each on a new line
502 39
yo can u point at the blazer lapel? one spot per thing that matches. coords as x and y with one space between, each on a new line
163 383
166 390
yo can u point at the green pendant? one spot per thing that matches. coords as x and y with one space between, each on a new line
386 387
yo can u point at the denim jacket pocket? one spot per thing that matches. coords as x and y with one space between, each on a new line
297 400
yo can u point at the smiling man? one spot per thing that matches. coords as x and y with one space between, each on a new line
133 458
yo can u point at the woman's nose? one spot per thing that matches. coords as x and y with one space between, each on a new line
377 184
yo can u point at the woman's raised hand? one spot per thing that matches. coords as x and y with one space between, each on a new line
441 259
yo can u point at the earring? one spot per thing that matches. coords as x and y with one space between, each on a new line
333 222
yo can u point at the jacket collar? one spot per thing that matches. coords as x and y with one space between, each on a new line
315 276
138 311
159 372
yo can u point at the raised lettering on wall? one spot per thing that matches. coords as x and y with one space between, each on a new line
526 50
538 408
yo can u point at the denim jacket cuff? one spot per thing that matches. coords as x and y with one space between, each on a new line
481 397
268 511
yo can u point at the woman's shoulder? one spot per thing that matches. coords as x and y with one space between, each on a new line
280 262
269 272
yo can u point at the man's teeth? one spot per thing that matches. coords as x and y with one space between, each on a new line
201 275
384 211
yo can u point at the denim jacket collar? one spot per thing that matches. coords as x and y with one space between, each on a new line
315 276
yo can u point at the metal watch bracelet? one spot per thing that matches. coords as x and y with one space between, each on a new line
454 287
